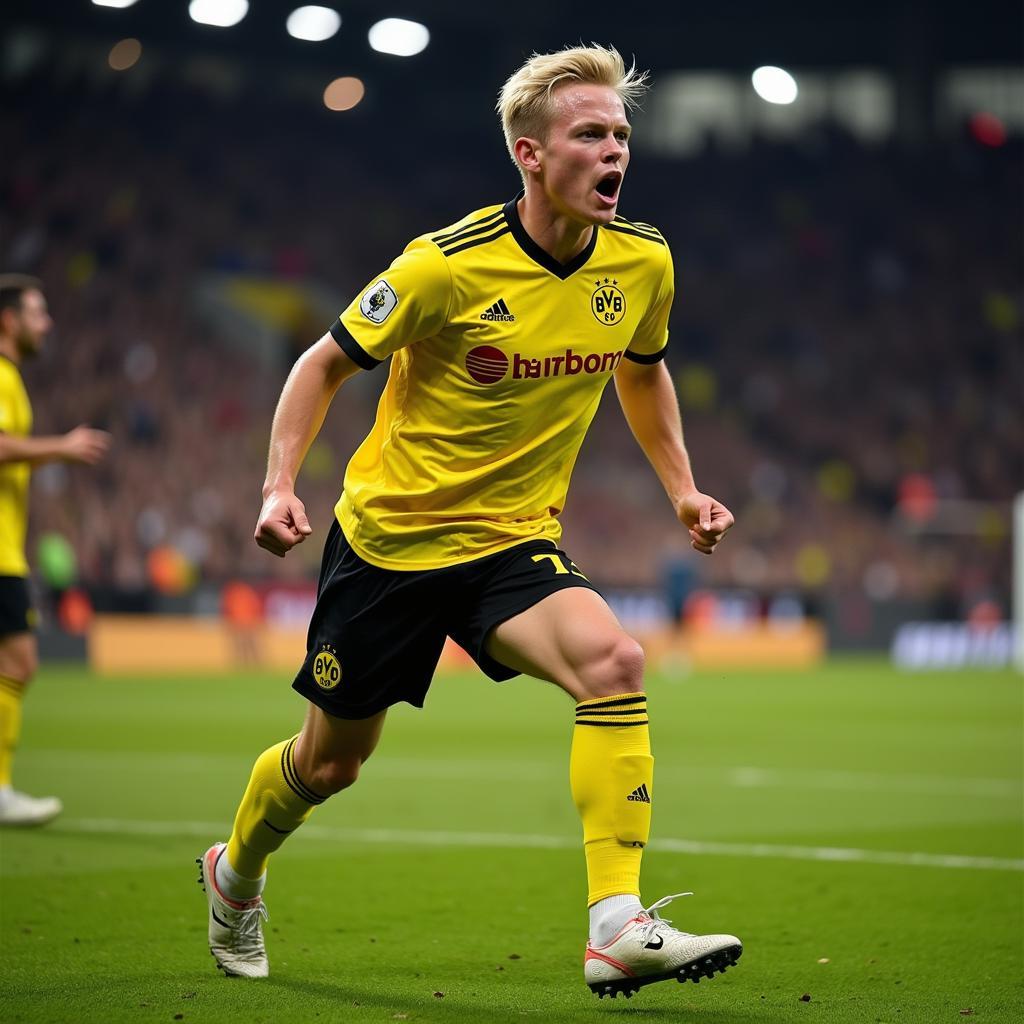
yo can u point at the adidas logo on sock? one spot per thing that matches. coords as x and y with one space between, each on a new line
498 311
640 794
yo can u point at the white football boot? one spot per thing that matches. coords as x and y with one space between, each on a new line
235 927
23 810
647 949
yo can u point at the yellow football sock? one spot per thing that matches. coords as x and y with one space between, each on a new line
275 804
611 773
11 693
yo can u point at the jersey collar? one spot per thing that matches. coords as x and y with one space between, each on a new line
536 253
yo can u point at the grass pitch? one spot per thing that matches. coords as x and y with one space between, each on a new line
858 828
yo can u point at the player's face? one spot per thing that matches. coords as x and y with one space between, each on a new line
33 323
584 157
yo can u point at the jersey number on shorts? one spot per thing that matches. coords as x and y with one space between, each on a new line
559 565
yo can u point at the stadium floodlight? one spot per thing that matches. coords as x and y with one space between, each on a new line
344 93
124 54
774 85
121 4
220 13
399 37
313 24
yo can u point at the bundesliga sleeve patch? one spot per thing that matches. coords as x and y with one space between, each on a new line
378 302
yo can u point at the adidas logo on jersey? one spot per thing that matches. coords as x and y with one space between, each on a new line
498 311
640 794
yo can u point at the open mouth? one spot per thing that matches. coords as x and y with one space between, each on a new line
608 186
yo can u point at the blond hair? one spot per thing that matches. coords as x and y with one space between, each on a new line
526 104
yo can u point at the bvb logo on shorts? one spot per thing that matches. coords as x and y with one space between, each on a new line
326 669
608 303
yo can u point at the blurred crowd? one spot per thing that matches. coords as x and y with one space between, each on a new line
846 341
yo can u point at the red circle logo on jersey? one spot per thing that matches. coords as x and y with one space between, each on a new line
486 364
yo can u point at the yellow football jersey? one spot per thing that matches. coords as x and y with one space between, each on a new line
500 358
16 420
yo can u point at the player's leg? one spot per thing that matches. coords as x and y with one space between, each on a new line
19 659
287 782
571 638
374 640
291 778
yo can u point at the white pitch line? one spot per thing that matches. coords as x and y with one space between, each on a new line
514 840
738 777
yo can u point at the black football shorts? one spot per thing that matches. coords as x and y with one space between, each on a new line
16 612
376 634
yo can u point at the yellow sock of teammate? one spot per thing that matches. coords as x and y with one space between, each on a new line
275 804
611 773
11 693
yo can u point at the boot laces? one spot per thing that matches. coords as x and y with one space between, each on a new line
246 928
655 920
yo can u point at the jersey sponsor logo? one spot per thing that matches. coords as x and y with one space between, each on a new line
326 668
567 365
378 302
487 364
640 794
498 311
608 304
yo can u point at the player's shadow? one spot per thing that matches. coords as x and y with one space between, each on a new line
480 1009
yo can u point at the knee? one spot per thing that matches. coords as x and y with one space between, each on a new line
330 777
619 668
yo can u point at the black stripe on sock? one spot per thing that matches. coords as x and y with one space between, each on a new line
308 794
279 831
12 686
614 725
607 718
291 776
598 703
612 711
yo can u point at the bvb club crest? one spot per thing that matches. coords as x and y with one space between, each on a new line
608 303
326 668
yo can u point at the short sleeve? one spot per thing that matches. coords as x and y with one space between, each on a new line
651 335
8 403
407 303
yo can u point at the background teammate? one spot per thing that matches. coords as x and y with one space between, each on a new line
24 323
504 330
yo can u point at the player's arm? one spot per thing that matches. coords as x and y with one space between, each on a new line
83 444
648 400
304 401
399 309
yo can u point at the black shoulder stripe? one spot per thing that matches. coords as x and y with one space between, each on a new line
352 348
465 235
643 225
637 234
648 358
450 236
477 241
